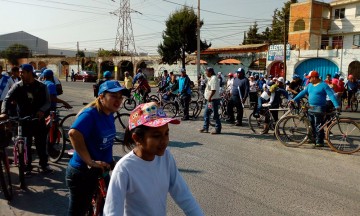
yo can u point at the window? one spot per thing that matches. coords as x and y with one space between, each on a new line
357 10
337 42
340 13
356 41
299 25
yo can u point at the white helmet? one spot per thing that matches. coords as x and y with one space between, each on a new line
281 79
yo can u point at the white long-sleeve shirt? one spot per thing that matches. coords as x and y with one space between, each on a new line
138 187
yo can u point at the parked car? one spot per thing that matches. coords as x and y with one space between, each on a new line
86 76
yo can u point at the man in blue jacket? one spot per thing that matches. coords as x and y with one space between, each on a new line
185 92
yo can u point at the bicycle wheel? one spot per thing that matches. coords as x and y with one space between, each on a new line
171 109
121 122
5 178
256 124
193 109
65 124
154 98
129 104
343 136
292 131
21 157
354 105
195 95
55 148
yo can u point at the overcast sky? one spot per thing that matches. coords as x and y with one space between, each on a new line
64 22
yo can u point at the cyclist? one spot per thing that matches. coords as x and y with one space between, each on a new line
92 136
351 88
172 89
165 80
32 99
295 86
317 91
142 179
143 87
49 82
106 76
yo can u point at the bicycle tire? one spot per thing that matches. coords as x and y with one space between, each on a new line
256 124
354 105
5 178
56 149
21 165
344 138
121 123
195 95
129 104
292 131
171 109
154 98
65 124
193 109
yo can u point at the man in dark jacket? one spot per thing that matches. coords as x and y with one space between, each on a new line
239 93
32 99
185 92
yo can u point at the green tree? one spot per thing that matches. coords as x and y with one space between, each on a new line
108 53
180 36
253 37
15 52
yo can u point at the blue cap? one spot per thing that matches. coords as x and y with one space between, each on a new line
42 69
107 74
47 73
182 70
296 76
27 67
110 86
336 75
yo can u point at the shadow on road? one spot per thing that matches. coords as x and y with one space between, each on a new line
178 144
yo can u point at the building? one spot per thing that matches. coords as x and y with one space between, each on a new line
36 45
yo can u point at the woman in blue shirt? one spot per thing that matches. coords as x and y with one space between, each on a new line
92 135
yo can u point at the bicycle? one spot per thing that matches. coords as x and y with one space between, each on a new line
257 124
131 102
99 196
5 177
175 107
354 102
341 135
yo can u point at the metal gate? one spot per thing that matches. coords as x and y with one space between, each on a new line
322 66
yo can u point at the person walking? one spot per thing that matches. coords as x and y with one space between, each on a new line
92 136
5 84
185 93
143 178
66 74
239 93
72 75
128 80
32 99
212 96
351 88
317 91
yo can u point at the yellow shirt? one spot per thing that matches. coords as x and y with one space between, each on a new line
128 82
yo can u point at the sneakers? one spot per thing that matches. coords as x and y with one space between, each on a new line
203 130
319 145
46 169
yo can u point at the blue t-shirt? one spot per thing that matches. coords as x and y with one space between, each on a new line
317 95
52 91
98 130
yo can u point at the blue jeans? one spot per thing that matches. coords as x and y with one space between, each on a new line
82 185
317 120
215 107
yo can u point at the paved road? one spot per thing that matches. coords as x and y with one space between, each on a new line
235 173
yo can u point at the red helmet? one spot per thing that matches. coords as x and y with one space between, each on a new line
230 74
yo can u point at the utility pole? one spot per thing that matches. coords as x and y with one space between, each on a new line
285 43
77 55
198 41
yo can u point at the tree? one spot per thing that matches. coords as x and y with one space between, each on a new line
15 52
253 37
180 36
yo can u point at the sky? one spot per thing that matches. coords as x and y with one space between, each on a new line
94 23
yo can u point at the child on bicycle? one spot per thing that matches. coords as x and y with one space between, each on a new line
142 179
143 87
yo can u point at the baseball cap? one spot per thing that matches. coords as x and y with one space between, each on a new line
281 79
151 115
230 74
296 76
27 67
312 74
107 74
182 70
48 73
219 73
270 76
336 75
110 86
240 70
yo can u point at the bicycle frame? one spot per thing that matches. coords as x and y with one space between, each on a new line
53 122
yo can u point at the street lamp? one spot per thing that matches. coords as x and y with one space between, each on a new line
78 59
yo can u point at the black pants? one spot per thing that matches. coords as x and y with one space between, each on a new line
36 129
235 102
185 101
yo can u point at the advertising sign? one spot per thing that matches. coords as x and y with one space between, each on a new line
276 52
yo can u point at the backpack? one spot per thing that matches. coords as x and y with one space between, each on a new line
59 90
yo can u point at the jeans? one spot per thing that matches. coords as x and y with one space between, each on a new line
207 113
82 185
317 119
235 102
185 101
